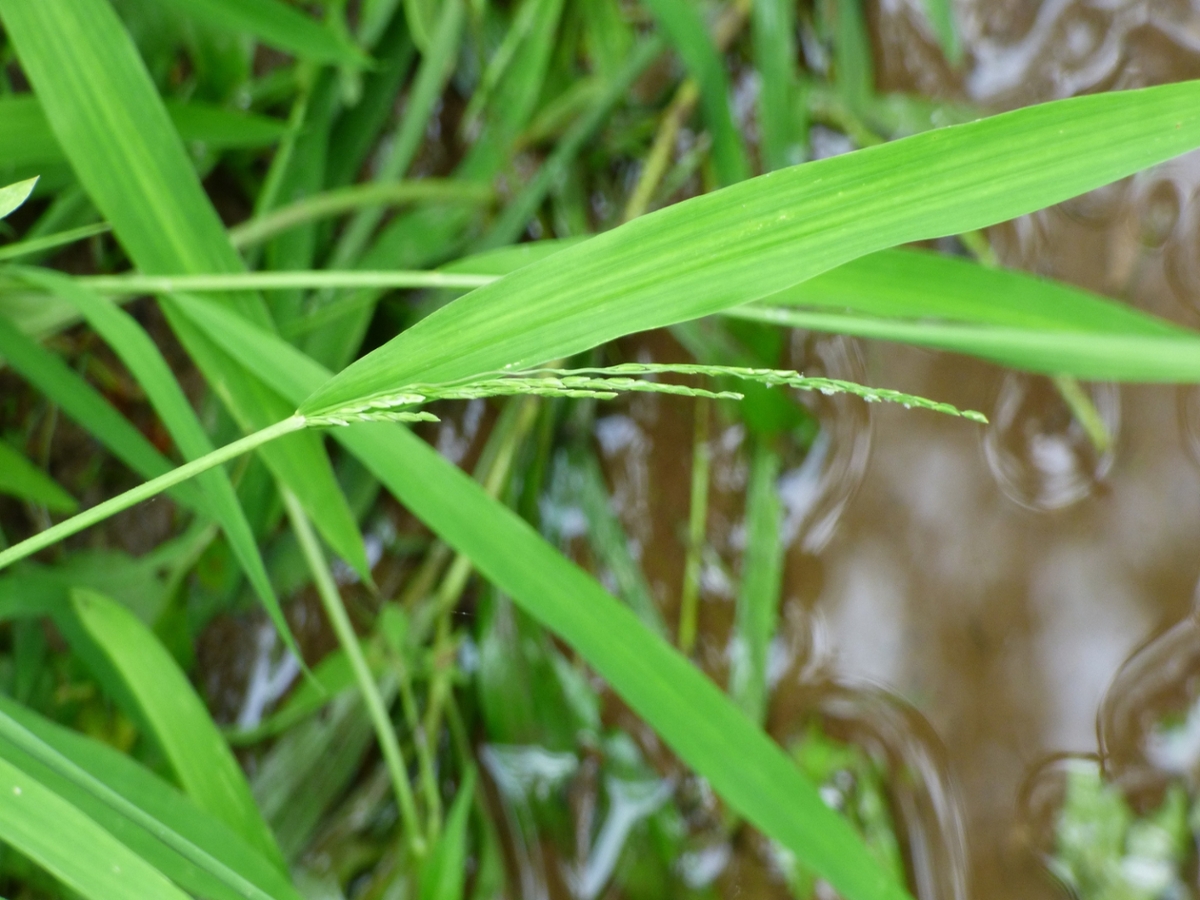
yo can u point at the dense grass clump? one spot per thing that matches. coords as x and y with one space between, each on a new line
236 228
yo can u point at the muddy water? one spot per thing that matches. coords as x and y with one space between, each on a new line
981 598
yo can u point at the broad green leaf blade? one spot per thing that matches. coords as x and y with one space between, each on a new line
952 304
13 195
197 870
681 20
27 139
759 237
110 121
85 405
695 718
277 24
36 821
21 478
144 361
177 717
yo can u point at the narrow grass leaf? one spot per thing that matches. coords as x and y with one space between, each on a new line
1081 354
929 287
27 139
21 478
110 121
762 580
762 236
774 29
359 129
1008 317
941 17
444 873
350 199
512 82
853 60
144 361
13 195
685 28
83 403
220 128
179 722
278 25
698 721
428 87
51 241
35 820
200 853
516 216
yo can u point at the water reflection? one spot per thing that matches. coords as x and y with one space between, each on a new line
1038 451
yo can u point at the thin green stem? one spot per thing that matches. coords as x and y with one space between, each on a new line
51 241
152 488
331 600
349 199
25 740
280 281
1084 411
697 519
408 705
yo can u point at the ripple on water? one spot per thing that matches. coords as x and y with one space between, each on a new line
1038 452
922 793
816 491
1189 420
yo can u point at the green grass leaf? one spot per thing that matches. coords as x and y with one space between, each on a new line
85 405
774 26
13 195
201 854
276 24
21 478
443 876
38 822
27 139
762 581
1007 317
686 30
177 718
941 17
762 236
106 114
693 716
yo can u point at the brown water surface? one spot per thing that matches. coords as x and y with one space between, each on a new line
984 585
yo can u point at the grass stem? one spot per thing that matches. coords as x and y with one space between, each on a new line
343 200
151 488
280 281
697 521
331 600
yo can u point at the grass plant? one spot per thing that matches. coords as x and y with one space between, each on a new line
227 196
